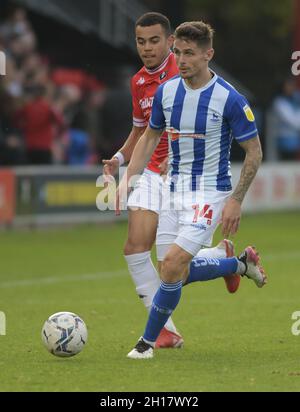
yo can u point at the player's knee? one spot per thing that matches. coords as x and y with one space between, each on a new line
132 247
170 270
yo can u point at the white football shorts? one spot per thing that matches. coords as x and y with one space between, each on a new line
147 192
191 222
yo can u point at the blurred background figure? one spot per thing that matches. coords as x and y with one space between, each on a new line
12 150
43 100
287 114
81 72
117 112
75 60
39 122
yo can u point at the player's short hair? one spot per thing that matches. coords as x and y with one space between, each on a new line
152 18
197 31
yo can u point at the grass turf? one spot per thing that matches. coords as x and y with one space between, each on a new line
240 342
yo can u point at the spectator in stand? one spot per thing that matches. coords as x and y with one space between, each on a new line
39 122
88 109
65 101
92 110
79 148
16 24
286 109
12 150
45 102
116 123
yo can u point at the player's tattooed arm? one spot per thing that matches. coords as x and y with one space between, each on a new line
251 165
231 215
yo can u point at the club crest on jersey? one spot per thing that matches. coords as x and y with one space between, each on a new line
141 81
163 75
215 117
249 114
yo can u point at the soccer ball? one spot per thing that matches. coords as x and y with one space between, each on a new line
64 334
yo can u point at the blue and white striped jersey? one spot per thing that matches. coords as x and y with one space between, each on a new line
201 124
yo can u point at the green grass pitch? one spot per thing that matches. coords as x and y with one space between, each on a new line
240 342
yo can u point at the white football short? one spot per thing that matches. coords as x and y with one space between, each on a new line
188 219
191 222
147 192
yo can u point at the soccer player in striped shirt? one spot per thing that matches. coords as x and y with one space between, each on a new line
201 113
154 41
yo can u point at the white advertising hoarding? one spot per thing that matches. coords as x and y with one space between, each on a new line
276 187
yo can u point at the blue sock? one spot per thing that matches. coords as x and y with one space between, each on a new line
202 269
164 302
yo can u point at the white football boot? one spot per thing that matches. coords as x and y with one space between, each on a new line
142 350
254 270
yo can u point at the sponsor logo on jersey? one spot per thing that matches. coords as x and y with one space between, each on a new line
146 103
141 81
175 134
249 114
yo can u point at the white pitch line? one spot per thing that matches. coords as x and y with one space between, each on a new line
292 255
63 279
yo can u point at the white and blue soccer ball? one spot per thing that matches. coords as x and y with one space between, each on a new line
64 334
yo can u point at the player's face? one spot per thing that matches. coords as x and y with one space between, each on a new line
153 45
191 59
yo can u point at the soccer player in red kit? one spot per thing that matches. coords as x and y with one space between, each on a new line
154 42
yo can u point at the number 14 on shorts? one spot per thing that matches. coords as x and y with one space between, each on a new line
206 212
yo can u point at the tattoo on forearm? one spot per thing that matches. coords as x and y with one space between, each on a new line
250 167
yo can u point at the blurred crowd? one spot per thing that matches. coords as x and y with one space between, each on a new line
48 114
60 115
286 115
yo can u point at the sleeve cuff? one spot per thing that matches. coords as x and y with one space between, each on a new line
156 127
247 136
139 122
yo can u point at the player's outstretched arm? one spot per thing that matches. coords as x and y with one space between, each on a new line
139 159
232 211
111 166
143 151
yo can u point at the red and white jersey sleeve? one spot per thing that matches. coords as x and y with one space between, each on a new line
143 88
137 114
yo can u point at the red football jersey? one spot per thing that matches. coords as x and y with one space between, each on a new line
143 88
